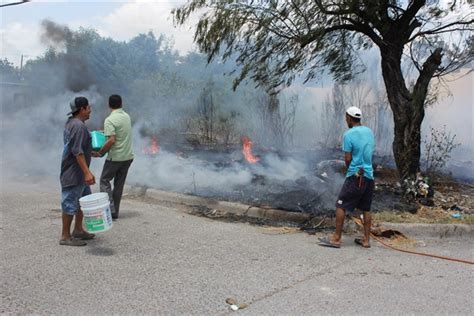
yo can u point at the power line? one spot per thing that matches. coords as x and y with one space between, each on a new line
13 3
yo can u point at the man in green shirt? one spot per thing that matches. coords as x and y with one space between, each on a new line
118 130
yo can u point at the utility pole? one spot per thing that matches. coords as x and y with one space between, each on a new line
21 67
212 113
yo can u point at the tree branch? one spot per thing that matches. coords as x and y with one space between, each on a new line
441 29
411 11
322 8
429 68
366 30
308 25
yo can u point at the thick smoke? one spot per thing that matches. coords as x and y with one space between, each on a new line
32 127
31 134
32 145
55 35
170 171
77 75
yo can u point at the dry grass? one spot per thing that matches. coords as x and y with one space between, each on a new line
424 215
271 230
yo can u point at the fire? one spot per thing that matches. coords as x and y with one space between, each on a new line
153 149
247 150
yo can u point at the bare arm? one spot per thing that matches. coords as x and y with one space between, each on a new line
347 159
88 176
110 141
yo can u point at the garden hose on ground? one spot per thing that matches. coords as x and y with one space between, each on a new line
359 223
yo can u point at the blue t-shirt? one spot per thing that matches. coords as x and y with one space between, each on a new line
359 141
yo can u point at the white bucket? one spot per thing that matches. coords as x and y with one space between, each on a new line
96 209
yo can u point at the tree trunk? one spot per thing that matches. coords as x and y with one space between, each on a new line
408 108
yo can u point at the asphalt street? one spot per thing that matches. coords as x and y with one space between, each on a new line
160 260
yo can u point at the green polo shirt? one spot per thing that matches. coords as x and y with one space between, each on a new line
118 123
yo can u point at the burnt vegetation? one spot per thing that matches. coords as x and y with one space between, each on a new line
184 104
275 41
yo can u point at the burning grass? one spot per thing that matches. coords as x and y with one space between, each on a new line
303 181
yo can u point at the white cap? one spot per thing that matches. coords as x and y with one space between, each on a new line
354 112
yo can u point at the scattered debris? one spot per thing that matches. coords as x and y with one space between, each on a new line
387 233
271 230
327 168
313 225
393 237
426 201
231 301
234 305
421 187
455 208
405 207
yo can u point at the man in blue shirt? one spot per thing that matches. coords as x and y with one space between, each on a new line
358 146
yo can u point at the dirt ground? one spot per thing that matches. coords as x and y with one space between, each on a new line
452 202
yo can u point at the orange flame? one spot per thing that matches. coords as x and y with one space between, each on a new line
153 149
247 150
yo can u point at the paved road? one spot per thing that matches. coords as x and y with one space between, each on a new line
160 260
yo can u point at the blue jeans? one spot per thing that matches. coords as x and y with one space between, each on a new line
70 198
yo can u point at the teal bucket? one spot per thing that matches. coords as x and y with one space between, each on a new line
98 140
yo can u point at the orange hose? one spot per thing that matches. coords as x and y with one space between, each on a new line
421 253
359 222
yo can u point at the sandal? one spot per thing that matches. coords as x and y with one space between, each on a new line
83 235
72 242
360 242
326 242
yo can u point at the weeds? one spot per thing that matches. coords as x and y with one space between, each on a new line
438 149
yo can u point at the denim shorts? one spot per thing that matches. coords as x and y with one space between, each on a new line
70 197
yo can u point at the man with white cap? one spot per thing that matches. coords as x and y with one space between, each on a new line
358 146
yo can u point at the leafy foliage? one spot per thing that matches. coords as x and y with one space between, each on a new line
8 72
273 41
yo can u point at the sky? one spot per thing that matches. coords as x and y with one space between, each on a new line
120 20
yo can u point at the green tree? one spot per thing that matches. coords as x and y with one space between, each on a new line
274 41
8 72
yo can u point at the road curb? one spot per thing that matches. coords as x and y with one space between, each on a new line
228 208
432 230
224 208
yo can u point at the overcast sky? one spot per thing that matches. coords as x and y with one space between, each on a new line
120 20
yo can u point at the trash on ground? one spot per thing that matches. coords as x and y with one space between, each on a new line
234 305
420 187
